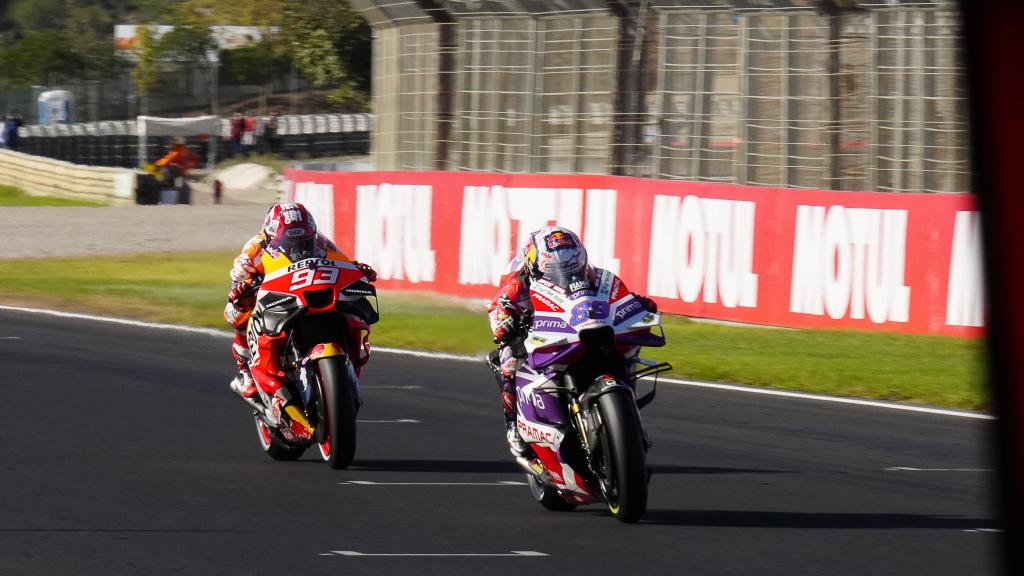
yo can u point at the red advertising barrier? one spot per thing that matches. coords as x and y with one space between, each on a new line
798 258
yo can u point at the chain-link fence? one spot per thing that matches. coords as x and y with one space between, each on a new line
870 96
180 90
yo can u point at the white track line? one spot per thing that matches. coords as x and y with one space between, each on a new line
463 358
370 483
402 421
520 553
907 469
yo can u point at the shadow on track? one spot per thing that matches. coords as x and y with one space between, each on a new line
478 466
826 520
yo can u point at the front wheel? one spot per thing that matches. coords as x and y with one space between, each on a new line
274 446
547 496
338 445
622 468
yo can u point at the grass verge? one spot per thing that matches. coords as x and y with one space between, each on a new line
190 288
12 196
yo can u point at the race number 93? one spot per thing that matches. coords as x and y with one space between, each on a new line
313 276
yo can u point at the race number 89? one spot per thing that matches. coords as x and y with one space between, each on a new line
310 276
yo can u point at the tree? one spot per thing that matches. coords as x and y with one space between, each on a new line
330 44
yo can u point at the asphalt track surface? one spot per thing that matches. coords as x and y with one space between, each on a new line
123 452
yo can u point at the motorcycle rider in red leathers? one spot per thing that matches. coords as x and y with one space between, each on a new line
288 228
550 251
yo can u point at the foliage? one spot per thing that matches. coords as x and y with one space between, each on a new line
43 39
34 58
145 71
254 64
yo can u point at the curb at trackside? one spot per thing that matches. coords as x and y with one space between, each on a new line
465 358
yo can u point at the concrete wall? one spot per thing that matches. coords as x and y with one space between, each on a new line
44 176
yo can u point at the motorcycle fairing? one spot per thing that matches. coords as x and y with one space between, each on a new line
543 423
554 337
325 350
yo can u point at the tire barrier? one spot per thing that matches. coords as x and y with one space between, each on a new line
115 143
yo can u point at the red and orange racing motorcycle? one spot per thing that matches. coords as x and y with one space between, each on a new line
323 308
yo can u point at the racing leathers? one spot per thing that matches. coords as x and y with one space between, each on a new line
510 315
245 272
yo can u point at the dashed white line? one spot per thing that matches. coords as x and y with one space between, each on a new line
411 387
10 337
402 421
464 358
519 553
371 483
989 530
908 469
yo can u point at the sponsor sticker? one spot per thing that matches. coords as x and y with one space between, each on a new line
559 240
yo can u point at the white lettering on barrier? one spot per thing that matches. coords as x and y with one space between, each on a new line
319 200
393 230
965 298
485 244
848 260
703 247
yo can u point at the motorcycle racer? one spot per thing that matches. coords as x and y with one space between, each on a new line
288 229
554 253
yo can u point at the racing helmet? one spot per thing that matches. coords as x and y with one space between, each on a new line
289 229
555 253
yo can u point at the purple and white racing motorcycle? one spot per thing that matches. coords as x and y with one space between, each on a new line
578 409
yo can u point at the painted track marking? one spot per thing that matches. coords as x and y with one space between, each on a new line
462 358
519 553
371 483
402 421
908 469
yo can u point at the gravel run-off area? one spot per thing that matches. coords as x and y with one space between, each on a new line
43 232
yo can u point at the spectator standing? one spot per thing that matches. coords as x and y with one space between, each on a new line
10 130
270 140
248 133
237 123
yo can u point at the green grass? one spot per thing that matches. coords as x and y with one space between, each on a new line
190 289
11 196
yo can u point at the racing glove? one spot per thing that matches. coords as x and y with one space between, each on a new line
506 328
367 271
647 303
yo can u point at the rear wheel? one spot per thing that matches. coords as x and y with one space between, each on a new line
622 469
338 443
547 496
274 446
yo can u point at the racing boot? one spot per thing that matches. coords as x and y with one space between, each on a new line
508 407
242 384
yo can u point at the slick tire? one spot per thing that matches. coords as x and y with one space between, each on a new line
624 478
547 496
274 446
339 447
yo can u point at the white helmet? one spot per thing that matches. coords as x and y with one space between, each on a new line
555 253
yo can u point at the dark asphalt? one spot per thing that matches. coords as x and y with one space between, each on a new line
123 452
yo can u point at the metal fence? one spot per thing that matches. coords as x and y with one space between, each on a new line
181 90
773 93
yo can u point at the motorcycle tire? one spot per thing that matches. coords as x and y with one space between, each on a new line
547 496
339 447
624 472
274 446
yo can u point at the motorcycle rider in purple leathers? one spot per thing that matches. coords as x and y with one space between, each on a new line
548 251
